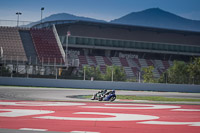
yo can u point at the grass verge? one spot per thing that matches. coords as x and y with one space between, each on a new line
152 98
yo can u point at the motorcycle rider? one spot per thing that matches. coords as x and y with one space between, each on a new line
99 94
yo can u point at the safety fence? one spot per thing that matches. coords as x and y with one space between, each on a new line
86 84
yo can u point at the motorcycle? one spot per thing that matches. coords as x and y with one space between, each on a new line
109 96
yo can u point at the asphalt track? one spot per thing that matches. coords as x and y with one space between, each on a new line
52 110
61 94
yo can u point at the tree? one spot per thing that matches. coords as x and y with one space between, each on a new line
117 72
164 77
92 72
194 71
183 73
108 75
148 74
178 73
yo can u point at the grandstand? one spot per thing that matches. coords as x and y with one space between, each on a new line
30 50
97 44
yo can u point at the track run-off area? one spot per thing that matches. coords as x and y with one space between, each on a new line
98 117
56 110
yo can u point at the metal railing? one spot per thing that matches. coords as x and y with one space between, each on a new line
14 23
33 67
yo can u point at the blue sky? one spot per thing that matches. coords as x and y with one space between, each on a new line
99 9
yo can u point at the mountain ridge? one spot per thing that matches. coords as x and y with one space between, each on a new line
152 17
65 16
156 17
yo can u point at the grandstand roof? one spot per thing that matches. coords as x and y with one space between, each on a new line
168 39
114 25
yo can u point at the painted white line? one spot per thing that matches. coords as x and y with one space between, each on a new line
32 129
134 106
125 100
111 117
41 103
185 109
22 112
170 123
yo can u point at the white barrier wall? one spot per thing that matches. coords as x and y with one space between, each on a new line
99 85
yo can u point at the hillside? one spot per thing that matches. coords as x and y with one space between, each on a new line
153 17
156 17
65 16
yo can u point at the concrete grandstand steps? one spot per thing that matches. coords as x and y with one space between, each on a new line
166 64
91 60
129 71
149 63
143 63
156 73
171 63
136 61
131 63
158 64
100 60
82 60
160 71
28 46
135 71
107 61
102 68
124 62
116 61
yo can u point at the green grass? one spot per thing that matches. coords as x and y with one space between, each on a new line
153 98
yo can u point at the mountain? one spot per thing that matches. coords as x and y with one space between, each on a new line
64 16
155 17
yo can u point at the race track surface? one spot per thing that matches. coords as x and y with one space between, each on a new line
96 117
51 110
61 94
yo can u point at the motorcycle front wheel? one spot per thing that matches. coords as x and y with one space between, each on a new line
112 98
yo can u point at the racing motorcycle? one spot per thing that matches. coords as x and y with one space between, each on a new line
109 96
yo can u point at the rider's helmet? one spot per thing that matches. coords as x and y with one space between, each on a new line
105 91
113 91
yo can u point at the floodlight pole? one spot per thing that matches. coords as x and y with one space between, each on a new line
1 56
66 48
42 9
83 73
139 76
112 74
18 13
